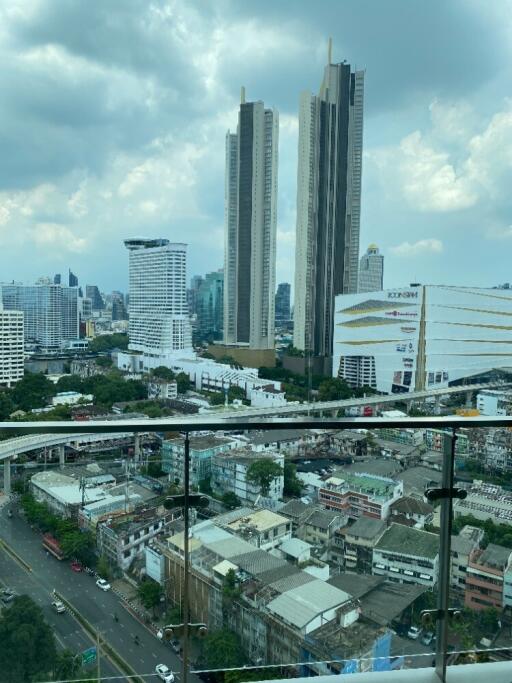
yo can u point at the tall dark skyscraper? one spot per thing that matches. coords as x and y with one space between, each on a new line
283 313
73 280
250 238
328 203
57 279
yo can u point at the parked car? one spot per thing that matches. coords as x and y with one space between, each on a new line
427 638
414 632
7 596
164 673
104 585
76 567
58 606
176 645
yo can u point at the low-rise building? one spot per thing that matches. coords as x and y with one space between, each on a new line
356 544
267 397
485 577
71 398
122 539
202 450
262 528
320 526
494 402
485 501
162 389
229 474
286 440
468 540
412 509
406 555
296 510
360 493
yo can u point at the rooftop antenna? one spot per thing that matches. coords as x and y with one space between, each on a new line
329 51
242 95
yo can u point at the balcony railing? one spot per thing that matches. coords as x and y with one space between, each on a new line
274 602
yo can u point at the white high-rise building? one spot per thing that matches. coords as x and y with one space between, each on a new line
371 270
328 204
250 233
51 312
159 321
11 347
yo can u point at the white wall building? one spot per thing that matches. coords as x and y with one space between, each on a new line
494 402
371 270
421 337
159 323
71 398
229 474
250 231
267 397
11 347
161 389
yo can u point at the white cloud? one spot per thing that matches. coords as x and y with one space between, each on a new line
426 246
58 237
500 232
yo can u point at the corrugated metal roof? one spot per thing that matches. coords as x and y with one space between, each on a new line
301 605
257 562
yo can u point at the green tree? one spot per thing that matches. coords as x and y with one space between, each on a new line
103 568
27 651
109 342
334 389
294 352
217 398
33 391
223 650
78 544
6 405
236 393
262 473
104 361
205 486
231 500
69 383
292 483
67 666
149 592
183 382
163 373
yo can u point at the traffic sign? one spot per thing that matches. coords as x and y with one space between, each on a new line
89 656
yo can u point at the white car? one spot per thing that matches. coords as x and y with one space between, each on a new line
414 632
164 673
58 606
104 585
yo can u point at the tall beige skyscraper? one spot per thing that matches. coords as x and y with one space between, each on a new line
328 204
250 232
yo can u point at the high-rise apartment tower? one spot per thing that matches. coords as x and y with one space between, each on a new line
250 233
159 321
371 270
11 347
328 203
283 312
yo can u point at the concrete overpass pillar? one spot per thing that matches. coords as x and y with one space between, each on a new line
7 476
469 399
437 409
62 457
136 447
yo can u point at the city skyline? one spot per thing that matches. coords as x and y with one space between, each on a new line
431 198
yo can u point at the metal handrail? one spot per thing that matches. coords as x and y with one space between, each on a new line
189 425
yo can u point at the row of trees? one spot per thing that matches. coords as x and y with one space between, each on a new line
28 651
109 342
73 541
501 534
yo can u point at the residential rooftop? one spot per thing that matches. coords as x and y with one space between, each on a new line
323 519
406 541
411 506
375 485
201 443
366 528
495 556
277 436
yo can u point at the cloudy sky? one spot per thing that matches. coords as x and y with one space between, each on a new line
113 115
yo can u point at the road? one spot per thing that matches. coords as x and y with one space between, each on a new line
97 606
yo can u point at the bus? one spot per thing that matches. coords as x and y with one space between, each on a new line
51 545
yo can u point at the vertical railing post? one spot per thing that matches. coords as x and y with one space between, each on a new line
444 557
186 519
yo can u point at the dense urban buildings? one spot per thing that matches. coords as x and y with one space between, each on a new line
51 313
250 231
328 204
11 347
421 337
371 270
283 311
93 293
159 322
